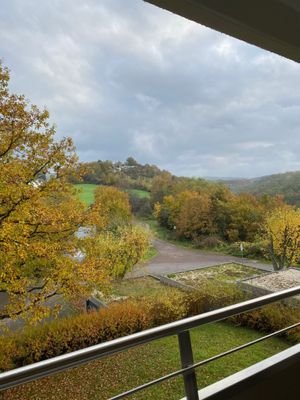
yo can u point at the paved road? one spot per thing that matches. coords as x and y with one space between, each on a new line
172 258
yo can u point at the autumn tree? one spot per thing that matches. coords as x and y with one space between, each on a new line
240 217
195 217
168 211
111 208
40 214
118 245
162 186
283 231
189 212
165 212
120 250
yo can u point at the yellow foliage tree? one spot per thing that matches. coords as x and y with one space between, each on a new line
244 215
119 251
40 215
111 208
283 229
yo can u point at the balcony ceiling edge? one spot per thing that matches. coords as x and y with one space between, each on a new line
273 25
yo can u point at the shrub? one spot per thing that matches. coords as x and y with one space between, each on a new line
210 242
169 307
66 335
213 295
8 349
140 206
121 319
256 249
271 318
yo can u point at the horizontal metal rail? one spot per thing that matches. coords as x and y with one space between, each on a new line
203 362
48 367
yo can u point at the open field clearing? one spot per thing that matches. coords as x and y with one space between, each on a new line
87 192
139 193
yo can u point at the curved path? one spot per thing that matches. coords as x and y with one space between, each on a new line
173 258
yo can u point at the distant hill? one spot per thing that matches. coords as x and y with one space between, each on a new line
286 184
221 178
126 175
133 175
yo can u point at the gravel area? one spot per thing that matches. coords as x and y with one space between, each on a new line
277 280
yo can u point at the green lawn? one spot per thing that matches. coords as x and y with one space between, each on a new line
106 378
87 192
139 193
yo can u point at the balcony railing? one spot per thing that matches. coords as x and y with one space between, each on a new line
180 328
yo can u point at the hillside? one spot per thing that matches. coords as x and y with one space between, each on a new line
127 175
286 184
131 175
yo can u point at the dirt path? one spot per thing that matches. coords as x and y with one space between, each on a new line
172 258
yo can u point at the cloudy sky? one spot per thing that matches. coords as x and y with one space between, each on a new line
126 78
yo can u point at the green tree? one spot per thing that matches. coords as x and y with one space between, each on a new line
131 162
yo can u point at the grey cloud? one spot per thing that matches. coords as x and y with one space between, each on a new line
126 78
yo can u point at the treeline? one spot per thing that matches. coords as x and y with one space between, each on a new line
196 209
127 175
287 185
211 216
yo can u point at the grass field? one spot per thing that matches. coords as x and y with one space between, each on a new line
87 192
139 193
104 379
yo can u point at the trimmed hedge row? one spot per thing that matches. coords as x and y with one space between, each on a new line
70 334
121 319
271 318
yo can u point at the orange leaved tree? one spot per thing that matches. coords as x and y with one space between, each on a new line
40 215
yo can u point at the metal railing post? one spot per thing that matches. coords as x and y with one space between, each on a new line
186 355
